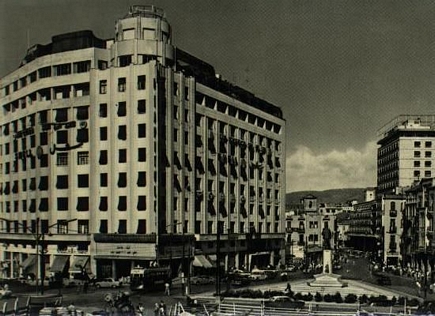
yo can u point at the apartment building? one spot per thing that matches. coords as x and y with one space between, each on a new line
129 151
405 152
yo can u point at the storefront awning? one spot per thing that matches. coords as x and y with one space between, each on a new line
201 262
78 263
28 262
59 263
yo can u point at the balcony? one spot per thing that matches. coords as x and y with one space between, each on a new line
393 213
392 230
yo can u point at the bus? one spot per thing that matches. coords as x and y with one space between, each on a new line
152 278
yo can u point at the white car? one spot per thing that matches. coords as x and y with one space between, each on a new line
108 282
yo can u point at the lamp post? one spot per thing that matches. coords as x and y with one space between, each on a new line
39 236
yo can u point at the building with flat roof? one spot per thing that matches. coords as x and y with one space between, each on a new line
405 152
122 152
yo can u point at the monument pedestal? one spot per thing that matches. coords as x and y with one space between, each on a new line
327 278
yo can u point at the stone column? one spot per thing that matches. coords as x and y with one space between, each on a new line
327 261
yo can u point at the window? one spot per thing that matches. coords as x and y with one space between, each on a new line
82 203
83 226
122 180
62 159
428 163
102 64
141 106
141 180
416 163
428 144
62 182
103 110
103 133
43 138
43 205
124 61
103 226
427 174
43 183
82 66
103 204
416 154
82 135
83 180
416 173
122 156
417 144
141 226
141 130
122 226
122 83
428 154
141 82
43 160
61 70
83 157
62 204
141 203
103 180
62 137
141 153
82 113
122 132
103 157
122 203
103 86
122 109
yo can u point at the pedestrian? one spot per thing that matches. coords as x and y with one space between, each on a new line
162 308
167 289
288 289
156 309
140 309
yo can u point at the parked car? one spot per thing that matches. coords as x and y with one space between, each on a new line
239 279
283 301
258 275
202 279
107 282
32 282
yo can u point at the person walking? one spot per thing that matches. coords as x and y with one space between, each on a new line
167 289
156 309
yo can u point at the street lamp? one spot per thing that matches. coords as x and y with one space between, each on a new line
39 236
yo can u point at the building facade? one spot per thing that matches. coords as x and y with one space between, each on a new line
123 152
405 152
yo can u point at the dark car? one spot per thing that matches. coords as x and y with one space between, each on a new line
284 302
383 280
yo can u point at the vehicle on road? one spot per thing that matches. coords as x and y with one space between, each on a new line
258 275
148 279
283 301
202 279
32 282
108 283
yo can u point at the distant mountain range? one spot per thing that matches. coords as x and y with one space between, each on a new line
328 196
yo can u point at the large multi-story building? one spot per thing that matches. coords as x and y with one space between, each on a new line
122 152
406 152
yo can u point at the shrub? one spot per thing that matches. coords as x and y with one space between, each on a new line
328 298
318 297
298 296
363 299
350 298
338 298
308 297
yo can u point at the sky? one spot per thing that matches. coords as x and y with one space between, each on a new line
338 69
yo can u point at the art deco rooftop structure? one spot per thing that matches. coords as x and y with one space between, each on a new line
405 152
145 146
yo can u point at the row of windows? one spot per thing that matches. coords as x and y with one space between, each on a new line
122 108
63 204
45 72
122 84
62 182
427 174
427 144
427 154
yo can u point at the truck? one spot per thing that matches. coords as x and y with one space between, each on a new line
148 279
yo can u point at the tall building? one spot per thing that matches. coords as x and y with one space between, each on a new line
122 152
405 152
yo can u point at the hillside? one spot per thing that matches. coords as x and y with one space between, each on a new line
328 196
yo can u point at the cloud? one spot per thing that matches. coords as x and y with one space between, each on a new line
350 168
